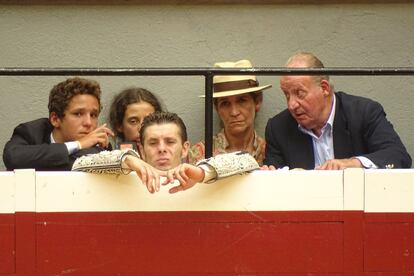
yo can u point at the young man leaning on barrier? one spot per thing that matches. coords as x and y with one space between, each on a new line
164 145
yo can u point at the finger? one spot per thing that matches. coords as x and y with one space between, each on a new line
143 175
103 141
109 132
328 166
180 178
150 181
272 168
321 167
166 181
183 174
334 166
170 175
175 189
156 180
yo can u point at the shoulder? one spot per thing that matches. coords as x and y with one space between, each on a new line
356 103
35 132
282 119
38 124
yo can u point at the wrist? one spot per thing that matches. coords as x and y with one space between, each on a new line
79 145
356 163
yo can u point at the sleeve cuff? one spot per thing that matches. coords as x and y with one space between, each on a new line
366 163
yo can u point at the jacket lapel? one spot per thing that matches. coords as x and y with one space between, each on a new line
342 138
301 149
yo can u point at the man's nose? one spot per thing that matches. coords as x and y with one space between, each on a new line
87 120
293 103
161 147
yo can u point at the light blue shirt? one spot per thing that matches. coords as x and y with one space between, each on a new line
323 147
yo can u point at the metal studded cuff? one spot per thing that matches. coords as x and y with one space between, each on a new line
105 162
228 164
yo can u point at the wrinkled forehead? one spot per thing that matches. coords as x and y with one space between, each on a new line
296 82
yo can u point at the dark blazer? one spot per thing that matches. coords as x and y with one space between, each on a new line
30 147
360 129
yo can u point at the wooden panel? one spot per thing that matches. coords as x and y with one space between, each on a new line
353 242
258 191
25 243
389 191
389 243
7 245
186 242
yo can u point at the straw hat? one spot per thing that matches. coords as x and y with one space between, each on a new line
225 85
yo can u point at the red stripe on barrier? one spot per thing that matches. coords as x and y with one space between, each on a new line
195 242
7 245
25 243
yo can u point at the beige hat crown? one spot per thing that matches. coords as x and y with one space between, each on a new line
225 85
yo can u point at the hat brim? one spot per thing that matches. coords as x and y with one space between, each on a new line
239 91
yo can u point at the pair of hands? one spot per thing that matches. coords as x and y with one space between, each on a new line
100 136
333 164
187 175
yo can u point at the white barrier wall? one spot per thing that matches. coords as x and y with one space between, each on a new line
352 189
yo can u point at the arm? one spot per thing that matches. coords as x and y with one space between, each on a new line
27 149
376 142
209 170
120 162
384 145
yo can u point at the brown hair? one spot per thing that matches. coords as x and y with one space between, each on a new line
126 97
62 93
158 118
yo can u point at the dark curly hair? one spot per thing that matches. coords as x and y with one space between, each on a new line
126 97
62 93
158 118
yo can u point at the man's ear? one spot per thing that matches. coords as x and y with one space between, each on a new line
54 119
326 87
141 151
184 151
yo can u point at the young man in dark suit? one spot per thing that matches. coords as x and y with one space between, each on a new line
324 130
70 131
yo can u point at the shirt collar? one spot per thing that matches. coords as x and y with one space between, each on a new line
329 123
222 136
52 140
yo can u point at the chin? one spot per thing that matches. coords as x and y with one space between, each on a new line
237 129
162 167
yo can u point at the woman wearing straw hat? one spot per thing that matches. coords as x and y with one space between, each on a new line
236 100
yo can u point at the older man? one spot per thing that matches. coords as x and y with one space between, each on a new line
323 129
